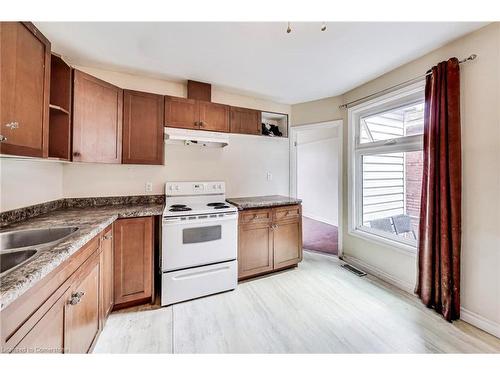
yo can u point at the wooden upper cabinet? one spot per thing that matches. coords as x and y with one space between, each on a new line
133 260
245 121
142 128
82 318
24 89
97 120
181 113
214 117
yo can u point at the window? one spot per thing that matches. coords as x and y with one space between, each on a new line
386 167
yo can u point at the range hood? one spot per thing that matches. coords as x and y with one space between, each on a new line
195 137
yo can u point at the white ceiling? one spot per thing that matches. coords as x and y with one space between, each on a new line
254 58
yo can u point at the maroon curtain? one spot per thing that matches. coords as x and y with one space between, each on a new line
438 282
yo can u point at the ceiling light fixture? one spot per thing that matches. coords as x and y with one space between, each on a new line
289 27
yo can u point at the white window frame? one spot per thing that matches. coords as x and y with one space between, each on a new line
406 96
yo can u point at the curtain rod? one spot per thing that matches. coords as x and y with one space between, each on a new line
378 93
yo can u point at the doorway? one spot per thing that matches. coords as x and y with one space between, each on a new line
316 179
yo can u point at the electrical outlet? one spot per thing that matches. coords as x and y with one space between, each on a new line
269 176
149 187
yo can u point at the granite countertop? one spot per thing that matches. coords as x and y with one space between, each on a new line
263 201
91 222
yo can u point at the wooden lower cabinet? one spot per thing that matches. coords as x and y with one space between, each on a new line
133 263
255 249
107 272
269 239
65 311
82 310
47 336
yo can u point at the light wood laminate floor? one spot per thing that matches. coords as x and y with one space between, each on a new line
315 308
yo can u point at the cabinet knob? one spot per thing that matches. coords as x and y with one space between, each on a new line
3 138
76 298
202 123
12 125
108 237
76 153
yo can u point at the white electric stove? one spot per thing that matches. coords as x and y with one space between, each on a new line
199 241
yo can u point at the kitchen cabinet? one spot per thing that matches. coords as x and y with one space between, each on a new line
97 120
196 114
47 336
24 90
142 128
181 113
270 239
107 280
133 261
214 117
82 323
245 121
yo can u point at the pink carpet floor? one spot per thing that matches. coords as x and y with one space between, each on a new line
319 236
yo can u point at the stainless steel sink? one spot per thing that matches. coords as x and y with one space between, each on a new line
9 260
34 237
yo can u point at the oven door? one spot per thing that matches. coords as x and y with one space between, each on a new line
193 242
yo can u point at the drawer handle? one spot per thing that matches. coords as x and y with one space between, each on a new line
76 298
108 237
200 273
3 138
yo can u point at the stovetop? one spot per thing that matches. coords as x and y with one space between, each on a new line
195 198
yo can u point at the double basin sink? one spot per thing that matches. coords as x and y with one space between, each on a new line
19 246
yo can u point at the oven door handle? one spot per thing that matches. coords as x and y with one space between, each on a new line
194 275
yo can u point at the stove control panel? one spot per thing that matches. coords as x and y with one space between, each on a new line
195 188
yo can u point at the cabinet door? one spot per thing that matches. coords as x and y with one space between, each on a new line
82 309
107 280
142 128
287 242
133 264
214 117
181 113
97 120
47 336
245 121
255 249
24 89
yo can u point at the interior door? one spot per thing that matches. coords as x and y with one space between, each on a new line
24 89
214 117
181 113
97 120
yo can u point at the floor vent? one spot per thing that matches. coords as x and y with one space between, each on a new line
353 269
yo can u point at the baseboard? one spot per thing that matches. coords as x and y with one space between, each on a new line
470 317
377 272
480 322
318 218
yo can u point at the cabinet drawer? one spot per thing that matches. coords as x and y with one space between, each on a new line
286 213
255 216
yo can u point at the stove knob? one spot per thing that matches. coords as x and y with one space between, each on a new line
177 187
219 186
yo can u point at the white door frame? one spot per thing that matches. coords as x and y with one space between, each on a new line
293 166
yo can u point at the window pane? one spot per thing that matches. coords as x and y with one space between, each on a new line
395 123
391 186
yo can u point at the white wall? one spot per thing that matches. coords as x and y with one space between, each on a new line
27 182
317 174
243 165
480 95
